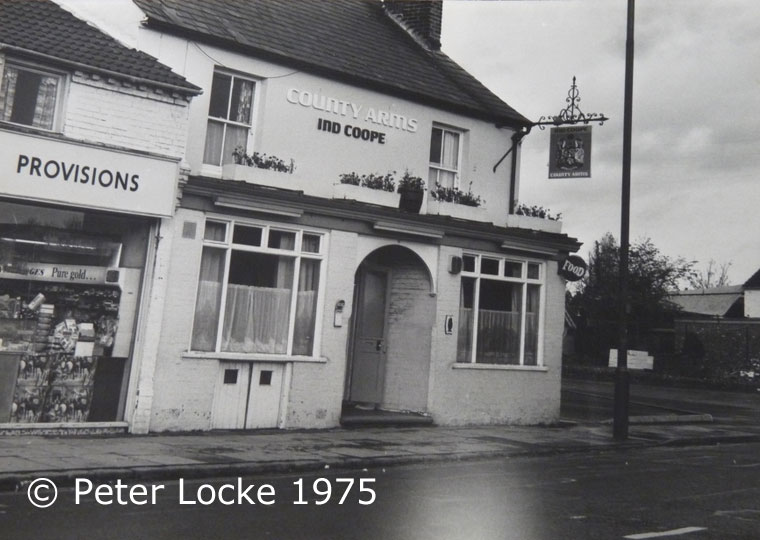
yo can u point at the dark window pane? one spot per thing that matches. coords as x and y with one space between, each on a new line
220 96
469 263
499 322
242 98
265 378
249 236
310 243
512 269
534 271
435 145
489 266
282 240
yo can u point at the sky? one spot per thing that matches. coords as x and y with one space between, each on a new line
696 101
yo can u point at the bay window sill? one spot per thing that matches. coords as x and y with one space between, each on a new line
500 367
251 357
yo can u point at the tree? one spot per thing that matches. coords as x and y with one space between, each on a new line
652 276
713 276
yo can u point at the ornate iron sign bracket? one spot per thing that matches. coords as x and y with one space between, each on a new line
571 114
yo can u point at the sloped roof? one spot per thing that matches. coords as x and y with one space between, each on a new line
43 29
753 282
713 302
352 40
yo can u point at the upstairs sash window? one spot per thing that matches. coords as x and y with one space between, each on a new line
230 117
444 158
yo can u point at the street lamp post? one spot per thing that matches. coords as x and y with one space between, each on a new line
622 386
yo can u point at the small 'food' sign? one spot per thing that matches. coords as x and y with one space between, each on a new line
573 268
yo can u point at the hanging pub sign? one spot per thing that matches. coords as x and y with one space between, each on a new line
570 152
573 268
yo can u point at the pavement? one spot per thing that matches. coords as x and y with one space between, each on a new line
62 459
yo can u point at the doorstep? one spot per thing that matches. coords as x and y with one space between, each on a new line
353 417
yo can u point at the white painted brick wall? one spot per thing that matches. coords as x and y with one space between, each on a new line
139 119
316 393
183 387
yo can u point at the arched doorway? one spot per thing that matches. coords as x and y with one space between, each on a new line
391 326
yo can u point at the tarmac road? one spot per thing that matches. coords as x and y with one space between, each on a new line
699 492
592 401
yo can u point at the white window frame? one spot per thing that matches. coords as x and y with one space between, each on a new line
296 254
63 80
254 105
524 281
432 182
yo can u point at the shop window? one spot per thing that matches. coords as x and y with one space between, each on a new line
30 96
258 294
445 157
230 117
499 313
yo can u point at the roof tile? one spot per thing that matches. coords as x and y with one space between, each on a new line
43 27
354 39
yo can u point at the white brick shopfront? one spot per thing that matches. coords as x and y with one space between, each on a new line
91 139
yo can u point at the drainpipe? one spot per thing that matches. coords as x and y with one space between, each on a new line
517 137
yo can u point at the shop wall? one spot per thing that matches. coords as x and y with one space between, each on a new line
289 131
109 113
183 387
494 396
316 392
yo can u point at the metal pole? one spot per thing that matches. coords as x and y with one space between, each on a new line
622 386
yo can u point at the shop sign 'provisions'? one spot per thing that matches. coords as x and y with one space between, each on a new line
573 268
570 152
62 172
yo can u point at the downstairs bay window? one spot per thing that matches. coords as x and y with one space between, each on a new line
500 311
258 290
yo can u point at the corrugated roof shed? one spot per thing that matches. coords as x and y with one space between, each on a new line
42 29
351 40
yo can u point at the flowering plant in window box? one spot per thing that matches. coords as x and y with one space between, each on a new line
535 218
522 209
372 181
262 161
456 195
370 188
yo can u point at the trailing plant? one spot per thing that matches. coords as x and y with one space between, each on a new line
409 182
372 181
262 161
536 211
456 195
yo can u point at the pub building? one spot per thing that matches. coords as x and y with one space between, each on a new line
92 134
296 295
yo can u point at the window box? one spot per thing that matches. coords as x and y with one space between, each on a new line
367 195
461 211
266 177
534 223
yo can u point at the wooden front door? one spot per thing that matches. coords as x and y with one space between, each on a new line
369 342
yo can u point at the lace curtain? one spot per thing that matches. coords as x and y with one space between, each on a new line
28 98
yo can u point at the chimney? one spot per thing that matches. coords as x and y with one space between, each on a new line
420 17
